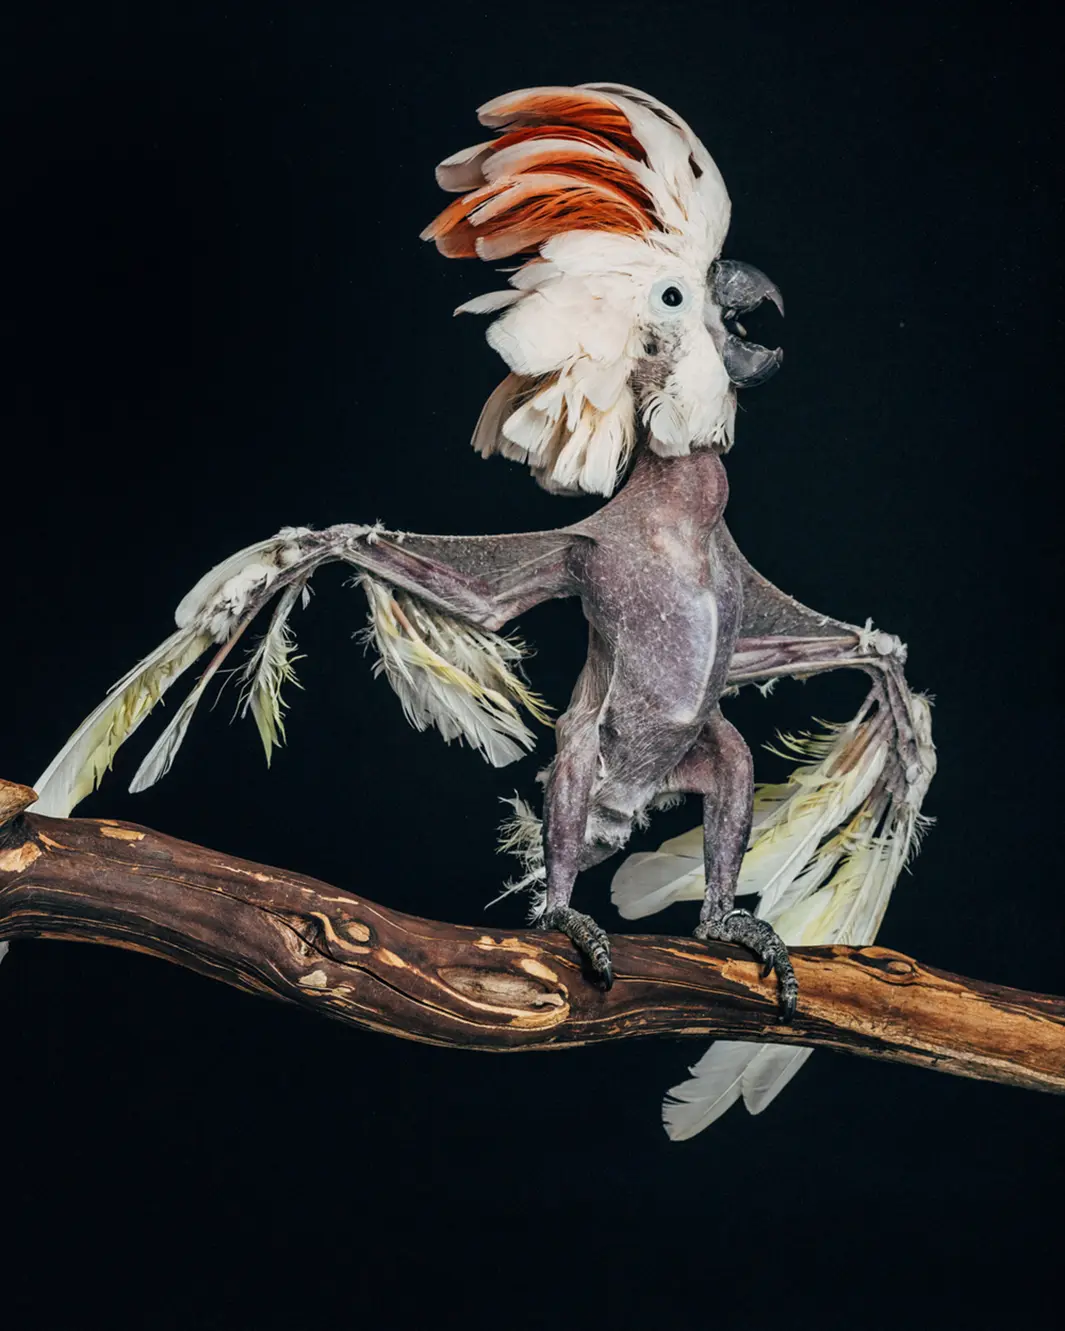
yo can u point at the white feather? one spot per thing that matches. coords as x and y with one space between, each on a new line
229 581
769 1071
160 757
580 314
462 171
533 337
729 1070
269 668
715 1085
502 402
649 881
821 796
489 303
79 766
213 612
449 675
826 849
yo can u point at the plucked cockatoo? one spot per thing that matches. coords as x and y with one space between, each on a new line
619 329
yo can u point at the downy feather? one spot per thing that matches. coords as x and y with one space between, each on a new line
521 835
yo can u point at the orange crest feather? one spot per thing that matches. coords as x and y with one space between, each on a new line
564 162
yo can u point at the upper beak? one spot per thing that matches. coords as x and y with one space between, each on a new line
736 288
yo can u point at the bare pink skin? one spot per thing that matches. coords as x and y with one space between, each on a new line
675 616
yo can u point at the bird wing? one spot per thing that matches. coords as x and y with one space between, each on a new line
435 603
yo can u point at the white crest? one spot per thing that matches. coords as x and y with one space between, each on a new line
618 212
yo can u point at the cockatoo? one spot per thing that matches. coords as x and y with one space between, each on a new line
619 329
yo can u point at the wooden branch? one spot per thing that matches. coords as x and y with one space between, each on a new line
289 937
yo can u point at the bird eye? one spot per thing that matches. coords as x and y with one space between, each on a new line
670 296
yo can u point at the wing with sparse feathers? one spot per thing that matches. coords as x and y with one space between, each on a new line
432 599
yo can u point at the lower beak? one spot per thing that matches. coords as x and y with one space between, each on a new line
747 363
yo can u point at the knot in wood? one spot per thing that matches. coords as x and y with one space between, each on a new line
525 998
890 966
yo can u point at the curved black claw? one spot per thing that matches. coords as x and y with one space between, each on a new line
587 937
740 926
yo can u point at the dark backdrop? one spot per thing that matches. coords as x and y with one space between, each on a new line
219 320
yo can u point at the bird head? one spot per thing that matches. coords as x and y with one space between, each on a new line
619 322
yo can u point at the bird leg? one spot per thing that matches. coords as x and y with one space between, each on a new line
720 769
567 804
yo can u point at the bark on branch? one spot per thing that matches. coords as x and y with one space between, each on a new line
289 937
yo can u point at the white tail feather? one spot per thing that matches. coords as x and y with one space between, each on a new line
769 1071
649 881
728 1071
715 1085
826 849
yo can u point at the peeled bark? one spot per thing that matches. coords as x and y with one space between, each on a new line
289 937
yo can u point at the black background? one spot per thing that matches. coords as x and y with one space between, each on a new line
219 320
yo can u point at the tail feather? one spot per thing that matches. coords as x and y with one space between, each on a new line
772 1067
649 881
826 849
715 1086
729 1071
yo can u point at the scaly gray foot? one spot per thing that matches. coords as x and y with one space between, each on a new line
587 937
740 926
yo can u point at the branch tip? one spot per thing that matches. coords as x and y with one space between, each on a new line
14 799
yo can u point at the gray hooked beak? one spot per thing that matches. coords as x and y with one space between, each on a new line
736 288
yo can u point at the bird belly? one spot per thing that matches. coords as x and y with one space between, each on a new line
663 691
